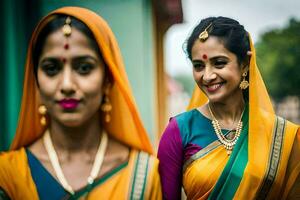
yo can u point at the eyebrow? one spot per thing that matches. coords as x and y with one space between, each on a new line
54 59
197 61
51 59
85 57
217 57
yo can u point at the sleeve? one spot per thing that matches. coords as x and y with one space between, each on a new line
170 155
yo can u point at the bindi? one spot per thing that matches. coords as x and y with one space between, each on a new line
204 56
66 46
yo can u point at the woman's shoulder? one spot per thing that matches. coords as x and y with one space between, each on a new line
189 119
12 157
145 160
185 116
13 164
141 154
193 114
270 117
145 175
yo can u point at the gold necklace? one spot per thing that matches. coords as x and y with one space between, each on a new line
227 143
57 168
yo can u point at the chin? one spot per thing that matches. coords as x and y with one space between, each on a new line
71 120
216 99
72 123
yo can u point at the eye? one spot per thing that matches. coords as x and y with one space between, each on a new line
220 63
50 68
84 68
198 66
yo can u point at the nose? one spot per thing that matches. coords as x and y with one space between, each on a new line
209 75
67 86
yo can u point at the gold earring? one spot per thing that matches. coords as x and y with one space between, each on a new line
244 84
43 111
106 106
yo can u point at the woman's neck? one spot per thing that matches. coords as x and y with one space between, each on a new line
84 138
228 113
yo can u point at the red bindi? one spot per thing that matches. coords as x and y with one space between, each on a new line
66 46
204 56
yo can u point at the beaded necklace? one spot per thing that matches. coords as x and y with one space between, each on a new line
227 143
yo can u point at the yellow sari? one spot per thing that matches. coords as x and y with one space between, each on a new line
267 160
125 126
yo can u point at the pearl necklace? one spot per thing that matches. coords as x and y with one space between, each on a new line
57 168
227 143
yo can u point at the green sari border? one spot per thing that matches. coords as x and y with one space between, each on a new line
232 174
85 191
140 176
274 158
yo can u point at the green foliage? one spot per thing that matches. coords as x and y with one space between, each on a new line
278 56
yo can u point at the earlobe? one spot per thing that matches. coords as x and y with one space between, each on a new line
245 68
106 84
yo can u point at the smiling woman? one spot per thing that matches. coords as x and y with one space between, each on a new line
230 145
79 133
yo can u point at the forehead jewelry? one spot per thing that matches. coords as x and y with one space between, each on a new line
204 34
67 31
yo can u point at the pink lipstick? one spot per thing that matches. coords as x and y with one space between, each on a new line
69 104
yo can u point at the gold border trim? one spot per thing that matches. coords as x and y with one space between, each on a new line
274 158
140 176
201 153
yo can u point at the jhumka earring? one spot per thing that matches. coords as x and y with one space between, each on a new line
43 111
106 106
244 84
204 34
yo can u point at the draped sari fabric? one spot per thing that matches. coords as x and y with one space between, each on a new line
268 163
125 125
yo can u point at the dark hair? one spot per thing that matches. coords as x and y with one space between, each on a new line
233 35
54 25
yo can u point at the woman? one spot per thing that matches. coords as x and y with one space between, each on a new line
232 146
79 133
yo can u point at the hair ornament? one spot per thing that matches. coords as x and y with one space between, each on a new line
67 30
204 34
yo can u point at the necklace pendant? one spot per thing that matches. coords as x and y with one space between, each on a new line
228 152
90 180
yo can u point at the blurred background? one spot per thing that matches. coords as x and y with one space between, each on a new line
151 34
